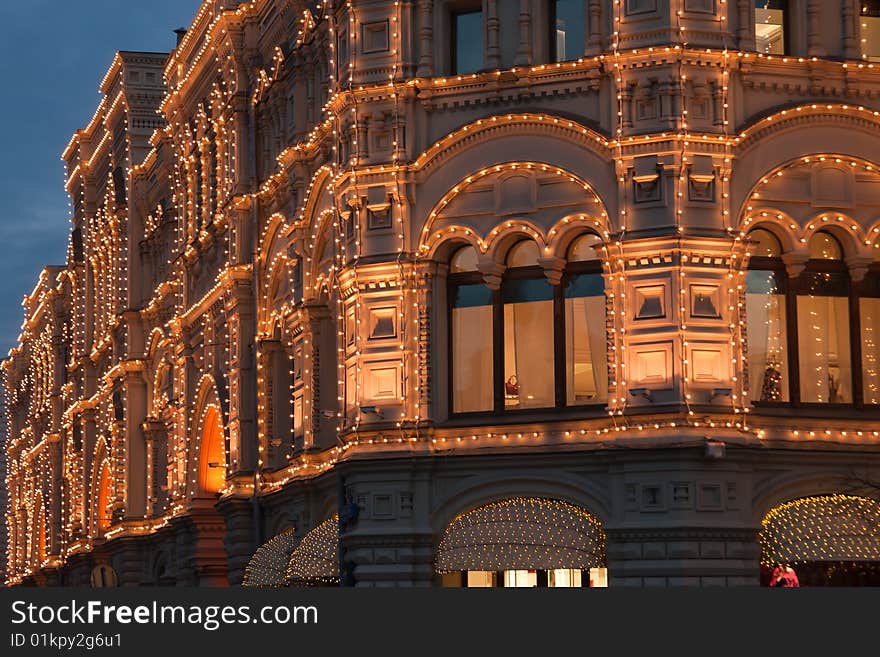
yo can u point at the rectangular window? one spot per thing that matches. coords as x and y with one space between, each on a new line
528 344
564 578
467 42
766 324
870 32
869 310
770 26
480 579
472 380
823 341
585 341
566 30
520 579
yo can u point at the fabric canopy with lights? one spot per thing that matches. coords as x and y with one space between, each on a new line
268 566
522 533
826 528
315 561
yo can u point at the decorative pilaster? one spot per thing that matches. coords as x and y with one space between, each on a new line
524 51
426 39
493 26
814 36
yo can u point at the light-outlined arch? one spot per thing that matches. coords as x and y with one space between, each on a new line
853 232
521 533
495 237
208 442
499 141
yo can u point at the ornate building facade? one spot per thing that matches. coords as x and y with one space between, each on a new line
462 292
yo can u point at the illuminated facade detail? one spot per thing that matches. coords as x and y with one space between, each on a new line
324 264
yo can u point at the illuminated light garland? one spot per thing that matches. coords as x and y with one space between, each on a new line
315 561
269 565
522 533
821 528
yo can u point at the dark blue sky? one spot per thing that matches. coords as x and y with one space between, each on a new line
53 55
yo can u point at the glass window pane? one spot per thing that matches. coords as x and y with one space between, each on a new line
568 30
770 26
764 244
472 349
823 343
563 578
585 248
520 578
480 579
869 310
870 23
465 259
528 344
468 42
825 247
585 340
523 254
766 335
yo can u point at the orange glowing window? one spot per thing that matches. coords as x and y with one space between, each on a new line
105 498
212 464
41 527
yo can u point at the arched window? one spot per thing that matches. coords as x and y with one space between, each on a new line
531 344
586 357
212 466
527 339
471 335
869 330
766 320
105 497
823 325
803 333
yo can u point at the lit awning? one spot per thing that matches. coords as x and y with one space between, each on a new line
315 561
268 566
826 528
520 534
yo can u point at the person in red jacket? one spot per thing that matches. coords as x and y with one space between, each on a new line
784 577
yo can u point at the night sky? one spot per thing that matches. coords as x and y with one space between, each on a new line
53 55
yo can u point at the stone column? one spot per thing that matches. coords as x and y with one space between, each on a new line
240 539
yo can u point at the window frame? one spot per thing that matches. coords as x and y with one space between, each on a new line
454 13
786 31
572 269
553 57
795 287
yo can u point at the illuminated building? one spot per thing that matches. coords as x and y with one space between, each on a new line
433 293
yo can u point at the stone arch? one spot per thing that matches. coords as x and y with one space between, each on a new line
847 232
500 141
471 208
564 488
786 487
776 139
777 222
